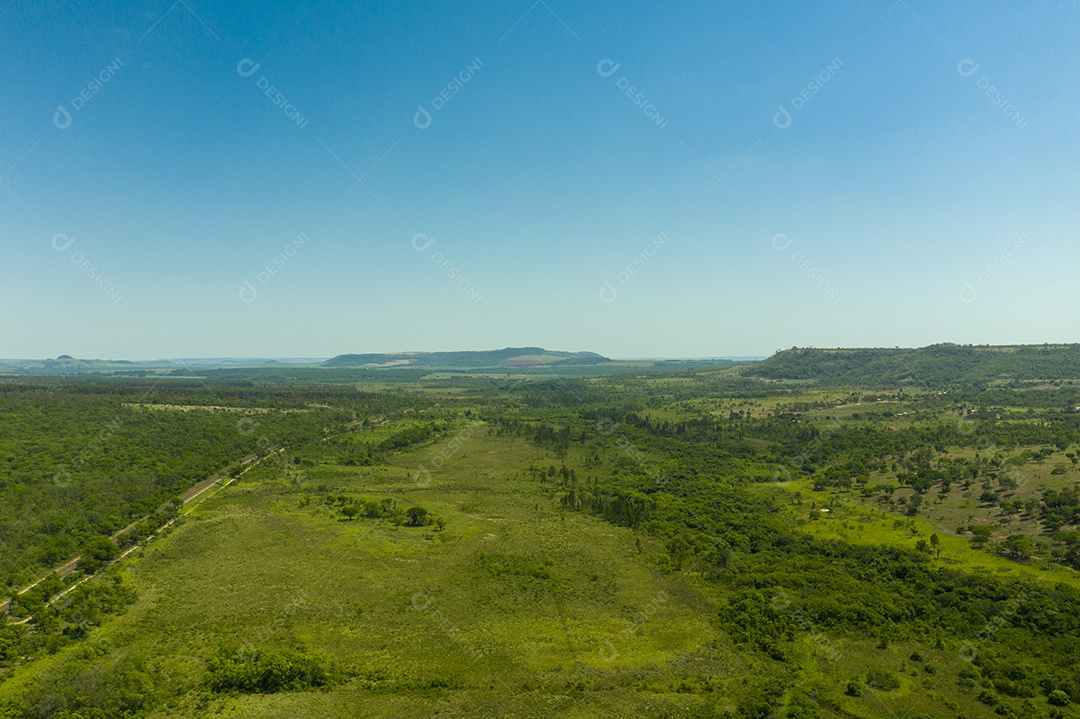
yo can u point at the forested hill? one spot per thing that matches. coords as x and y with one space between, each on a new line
508 357
934 366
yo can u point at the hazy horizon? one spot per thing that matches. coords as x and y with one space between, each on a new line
301 360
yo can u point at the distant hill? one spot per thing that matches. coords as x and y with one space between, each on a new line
70 365
510 357
380 367
934 366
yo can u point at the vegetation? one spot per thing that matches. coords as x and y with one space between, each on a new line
255 671
944 365
699 544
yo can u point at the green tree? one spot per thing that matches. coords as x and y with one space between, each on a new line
1017 546
96 552
981 534
418 516
914 502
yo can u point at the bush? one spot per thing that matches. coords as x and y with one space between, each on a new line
418 517
265 672
1058 698
882 679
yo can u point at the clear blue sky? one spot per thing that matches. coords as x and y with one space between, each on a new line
853 173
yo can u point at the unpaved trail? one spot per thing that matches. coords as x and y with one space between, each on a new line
126 552
72 564
251 460
63 570
208 483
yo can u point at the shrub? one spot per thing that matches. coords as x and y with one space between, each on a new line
265 672
882 679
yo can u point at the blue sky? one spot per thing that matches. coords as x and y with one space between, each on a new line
635 179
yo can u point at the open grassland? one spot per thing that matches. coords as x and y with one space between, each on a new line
514 608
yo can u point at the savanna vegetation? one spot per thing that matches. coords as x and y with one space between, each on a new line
704 544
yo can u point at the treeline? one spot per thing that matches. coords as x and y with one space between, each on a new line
936 366
224 393
357 445
625 507
544 433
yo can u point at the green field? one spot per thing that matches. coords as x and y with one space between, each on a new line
688 545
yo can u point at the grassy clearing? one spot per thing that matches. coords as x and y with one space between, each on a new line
514 609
